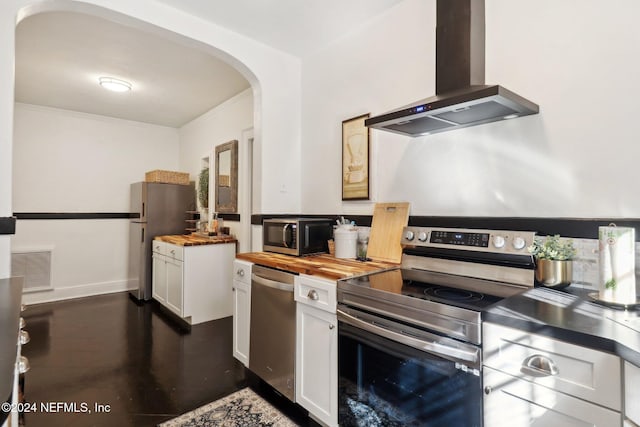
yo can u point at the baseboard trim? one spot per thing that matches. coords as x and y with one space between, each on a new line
73 292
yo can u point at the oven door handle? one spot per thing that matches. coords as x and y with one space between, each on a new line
434 347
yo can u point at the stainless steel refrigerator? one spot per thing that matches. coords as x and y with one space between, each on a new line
162 210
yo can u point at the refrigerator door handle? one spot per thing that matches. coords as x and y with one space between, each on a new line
143 215
142 235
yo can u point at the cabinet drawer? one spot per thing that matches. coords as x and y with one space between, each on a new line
316 293
242 271
588 374
159 247
515 402
175 251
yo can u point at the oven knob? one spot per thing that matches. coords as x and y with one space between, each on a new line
409 235
422 236
518 243
498 241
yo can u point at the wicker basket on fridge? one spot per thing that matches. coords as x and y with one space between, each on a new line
167 177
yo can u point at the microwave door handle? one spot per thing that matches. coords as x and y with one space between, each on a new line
284 235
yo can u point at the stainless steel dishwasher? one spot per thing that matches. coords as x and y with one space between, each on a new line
273 329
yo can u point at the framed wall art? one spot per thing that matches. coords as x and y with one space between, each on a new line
355 159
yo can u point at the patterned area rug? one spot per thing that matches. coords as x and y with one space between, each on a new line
243 408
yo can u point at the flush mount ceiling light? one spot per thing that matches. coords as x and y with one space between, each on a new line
115 85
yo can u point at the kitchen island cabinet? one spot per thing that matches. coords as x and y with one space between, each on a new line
317 348
192 281
241 310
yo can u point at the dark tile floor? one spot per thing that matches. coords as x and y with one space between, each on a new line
131 358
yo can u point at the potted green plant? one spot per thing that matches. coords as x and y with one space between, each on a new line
203 188
553 256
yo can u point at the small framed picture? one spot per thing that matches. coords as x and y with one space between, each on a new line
355 159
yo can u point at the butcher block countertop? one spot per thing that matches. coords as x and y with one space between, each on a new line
194 239
323 265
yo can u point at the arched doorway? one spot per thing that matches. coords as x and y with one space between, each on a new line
90 10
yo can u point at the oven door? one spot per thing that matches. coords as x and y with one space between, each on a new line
391 374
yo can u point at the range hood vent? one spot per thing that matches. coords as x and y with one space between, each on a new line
462 99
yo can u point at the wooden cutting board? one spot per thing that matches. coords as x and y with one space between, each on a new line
386 231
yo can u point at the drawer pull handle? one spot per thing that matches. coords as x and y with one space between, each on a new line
23 365
24 338
331 326
313 295
240 272
539 366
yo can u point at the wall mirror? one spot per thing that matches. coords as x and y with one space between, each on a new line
226 178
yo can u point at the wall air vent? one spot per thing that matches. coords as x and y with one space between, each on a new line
35 267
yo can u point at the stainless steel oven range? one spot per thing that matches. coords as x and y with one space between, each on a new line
410 343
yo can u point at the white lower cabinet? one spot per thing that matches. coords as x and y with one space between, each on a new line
193 281
241 310
632 394
533 380
175 286
317 348
159 263
514 402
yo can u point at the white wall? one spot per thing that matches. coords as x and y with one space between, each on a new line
576 158
65 161
7 34
385 64
220 125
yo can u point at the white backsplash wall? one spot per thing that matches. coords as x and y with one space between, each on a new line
586 267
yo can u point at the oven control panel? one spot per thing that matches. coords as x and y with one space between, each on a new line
496 241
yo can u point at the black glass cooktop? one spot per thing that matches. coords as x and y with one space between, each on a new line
408 283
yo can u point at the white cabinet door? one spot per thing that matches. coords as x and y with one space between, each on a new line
317 363
241 321
241 287
632 392
509 402
175 286
159 280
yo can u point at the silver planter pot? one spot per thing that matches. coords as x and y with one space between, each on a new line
554 274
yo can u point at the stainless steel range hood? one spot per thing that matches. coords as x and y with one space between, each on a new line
462 99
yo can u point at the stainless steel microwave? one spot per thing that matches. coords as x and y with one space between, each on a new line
296 236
